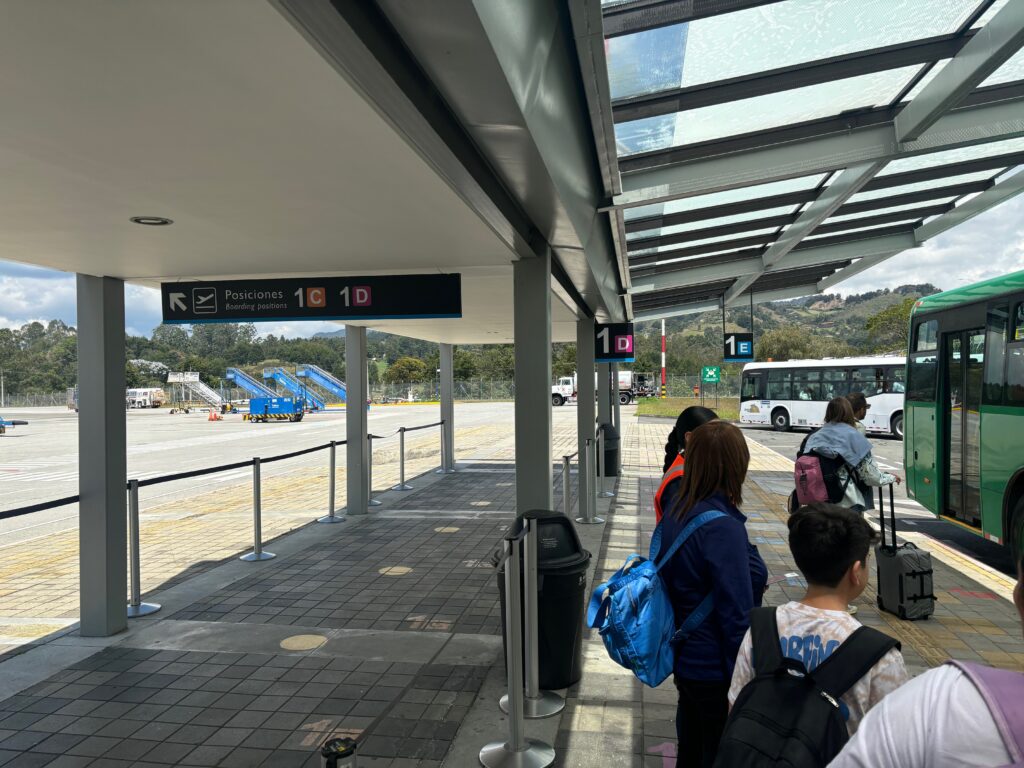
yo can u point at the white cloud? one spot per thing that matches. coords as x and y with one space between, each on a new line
988 245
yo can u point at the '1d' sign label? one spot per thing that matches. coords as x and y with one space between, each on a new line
380 297
739 348
614 343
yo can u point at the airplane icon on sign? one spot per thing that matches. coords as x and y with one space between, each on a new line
204 301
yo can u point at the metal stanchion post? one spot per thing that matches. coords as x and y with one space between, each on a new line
566 486
330 517
518 751
257 512
135 605
402 485
588 465
536 703
604 493
445 469
370 501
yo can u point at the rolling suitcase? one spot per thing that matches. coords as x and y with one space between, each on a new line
904 572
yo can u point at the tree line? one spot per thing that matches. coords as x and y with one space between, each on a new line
41 358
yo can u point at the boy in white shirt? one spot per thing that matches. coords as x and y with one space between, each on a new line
830 545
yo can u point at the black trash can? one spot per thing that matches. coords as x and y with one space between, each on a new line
561 598
611 450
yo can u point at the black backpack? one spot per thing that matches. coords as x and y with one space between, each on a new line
786 716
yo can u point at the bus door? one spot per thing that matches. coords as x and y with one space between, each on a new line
963 360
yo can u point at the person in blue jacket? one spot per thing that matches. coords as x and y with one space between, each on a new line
718 559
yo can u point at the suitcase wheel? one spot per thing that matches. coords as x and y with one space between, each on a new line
902 613
879 601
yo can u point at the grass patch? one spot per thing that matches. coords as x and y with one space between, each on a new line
728 407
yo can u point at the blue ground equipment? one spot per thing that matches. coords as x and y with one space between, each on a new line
249 384
10 424
263 409
323 379
296 387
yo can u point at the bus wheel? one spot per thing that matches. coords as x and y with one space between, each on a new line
780 420
557 399
623 398
896 425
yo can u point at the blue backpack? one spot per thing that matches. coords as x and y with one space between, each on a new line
634 616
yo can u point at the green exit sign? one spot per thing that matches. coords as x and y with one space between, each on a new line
710 374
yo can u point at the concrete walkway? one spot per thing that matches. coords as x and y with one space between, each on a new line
387 628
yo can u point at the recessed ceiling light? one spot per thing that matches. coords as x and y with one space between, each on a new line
151 221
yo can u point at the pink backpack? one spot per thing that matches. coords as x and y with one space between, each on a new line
809 480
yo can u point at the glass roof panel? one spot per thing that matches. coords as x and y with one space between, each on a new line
705 241
993 9
783 34
683 261
721 220
928 77
1012 70
947 156
762 112
725 197
771 36
883 211
920 186
646 62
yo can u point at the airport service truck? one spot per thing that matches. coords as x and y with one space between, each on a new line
631 386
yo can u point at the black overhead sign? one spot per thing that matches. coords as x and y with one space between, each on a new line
381 297
613 343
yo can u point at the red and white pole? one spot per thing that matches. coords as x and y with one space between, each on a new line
663 379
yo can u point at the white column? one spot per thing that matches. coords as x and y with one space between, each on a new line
448 407
356 457
102 459
532 297
585 414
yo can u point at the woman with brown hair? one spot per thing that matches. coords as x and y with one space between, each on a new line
717 560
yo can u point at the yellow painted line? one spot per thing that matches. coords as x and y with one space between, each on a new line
965 526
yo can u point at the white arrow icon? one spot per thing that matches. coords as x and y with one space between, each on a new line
177 303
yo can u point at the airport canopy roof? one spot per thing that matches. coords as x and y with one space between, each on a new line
771 149
670 155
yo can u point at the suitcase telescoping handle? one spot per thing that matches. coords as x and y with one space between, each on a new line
892 515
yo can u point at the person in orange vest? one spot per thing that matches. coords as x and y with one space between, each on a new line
675 449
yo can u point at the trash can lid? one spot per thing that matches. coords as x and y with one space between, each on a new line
345 747
609 431
558 544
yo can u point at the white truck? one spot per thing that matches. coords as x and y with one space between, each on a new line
631 386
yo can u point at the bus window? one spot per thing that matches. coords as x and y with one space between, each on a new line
926 336
1018 322
1015 373
834 383
995 343
870 381
921 378
895 380
807 385
752 387
779 385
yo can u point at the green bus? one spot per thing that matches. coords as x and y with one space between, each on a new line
964 409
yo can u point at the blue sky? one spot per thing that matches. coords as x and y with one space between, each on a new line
987 246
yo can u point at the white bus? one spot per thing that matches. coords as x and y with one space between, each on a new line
795 393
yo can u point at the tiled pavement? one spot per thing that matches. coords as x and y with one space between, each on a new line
385 628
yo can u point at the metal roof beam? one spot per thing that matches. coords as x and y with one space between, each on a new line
787 78
846 273
847 183
994 43
909 198
963 127
685 309
713 268
700 250
642 15
736 228
998 193
718 211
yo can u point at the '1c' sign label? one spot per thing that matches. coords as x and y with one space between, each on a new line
613 343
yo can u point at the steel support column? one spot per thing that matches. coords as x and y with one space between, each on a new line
356 452
102 445
532 300
448 407
585 414
616 412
